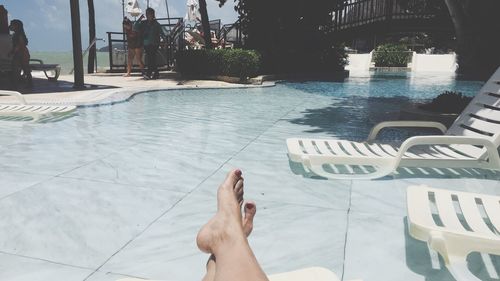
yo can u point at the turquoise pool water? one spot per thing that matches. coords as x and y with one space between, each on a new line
122 190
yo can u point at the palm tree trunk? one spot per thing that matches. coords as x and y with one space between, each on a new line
92 51
205 24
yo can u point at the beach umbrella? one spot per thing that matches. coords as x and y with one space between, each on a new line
133 8
193 10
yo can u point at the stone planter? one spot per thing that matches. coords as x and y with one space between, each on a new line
415 113
321 76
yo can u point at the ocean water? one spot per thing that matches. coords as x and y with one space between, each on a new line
65 59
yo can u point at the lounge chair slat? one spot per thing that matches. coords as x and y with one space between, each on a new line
492 207
427 153
334 145
447 212
452 153
419 208
309 147
363 148
349 147
469 150
486 97
486 113
472 215
376 148
482 127
321 144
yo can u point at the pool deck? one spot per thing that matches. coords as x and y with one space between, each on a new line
106 88
107 204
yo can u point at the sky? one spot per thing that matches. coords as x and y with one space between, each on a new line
48 22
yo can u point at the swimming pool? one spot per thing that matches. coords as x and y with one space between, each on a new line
122 190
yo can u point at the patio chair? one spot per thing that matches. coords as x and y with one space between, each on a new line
306 274
456 224
35 112
470 142
40 66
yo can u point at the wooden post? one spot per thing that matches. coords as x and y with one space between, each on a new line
93 49
77 44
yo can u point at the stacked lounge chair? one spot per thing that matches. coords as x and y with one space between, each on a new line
470 142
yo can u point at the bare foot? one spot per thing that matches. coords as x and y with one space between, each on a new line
126 75
248 215
227 224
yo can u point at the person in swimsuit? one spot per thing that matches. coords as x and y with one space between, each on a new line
134 45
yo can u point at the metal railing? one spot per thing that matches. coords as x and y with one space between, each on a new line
171 42
361 12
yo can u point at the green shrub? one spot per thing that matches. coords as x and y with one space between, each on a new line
447 102
227 62
391 55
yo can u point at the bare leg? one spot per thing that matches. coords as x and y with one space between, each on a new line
130 62
138 55
249 213
224 237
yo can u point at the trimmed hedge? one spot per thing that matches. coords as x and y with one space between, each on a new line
391 55
228 62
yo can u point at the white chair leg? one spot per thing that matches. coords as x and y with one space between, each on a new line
458 268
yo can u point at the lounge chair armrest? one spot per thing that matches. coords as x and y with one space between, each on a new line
15 94
404 124
37 60
490 147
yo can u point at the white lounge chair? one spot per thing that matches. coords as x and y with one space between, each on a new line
35 112
306 274
455 224
470 142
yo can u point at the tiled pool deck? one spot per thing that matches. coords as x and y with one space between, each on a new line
112 202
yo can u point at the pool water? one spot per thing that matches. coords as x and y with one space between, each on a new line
122 190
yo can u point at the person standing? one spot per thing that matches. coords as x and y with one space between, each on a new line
134 46
20 54
151 31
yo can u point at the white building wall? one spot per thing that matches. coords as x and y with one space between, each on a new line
434 63
358 62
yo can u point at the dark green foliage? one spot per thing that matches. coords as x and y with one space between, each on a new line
239 63
391 55
293 36
447 102
227 62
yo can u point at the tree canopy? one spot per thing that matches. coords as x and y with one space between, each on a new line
290 34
